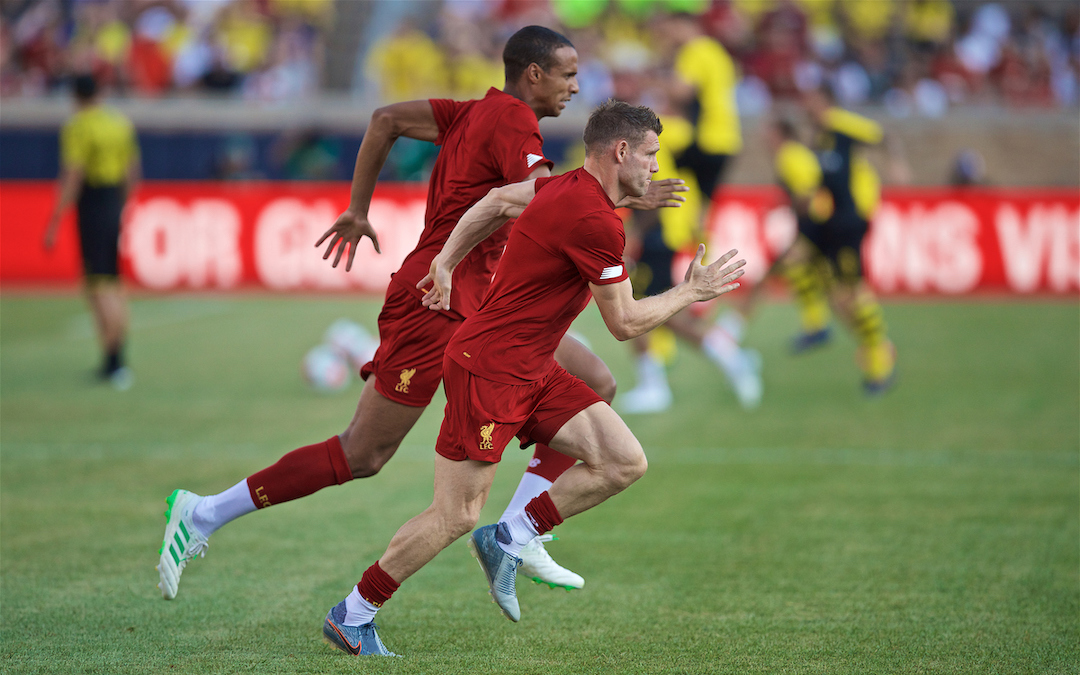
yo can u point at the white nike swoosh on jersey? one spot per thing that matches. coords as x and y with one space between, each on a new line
531 159
611 272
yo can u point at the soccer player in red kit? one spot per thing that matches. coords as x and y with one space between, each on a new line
485 143
500 374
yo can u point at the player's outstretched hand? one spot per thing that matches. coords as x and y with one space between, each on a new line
440 277
714 280
346 233
662 194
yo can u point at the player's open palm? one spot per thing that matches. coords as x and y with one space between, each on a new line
716 279
346 233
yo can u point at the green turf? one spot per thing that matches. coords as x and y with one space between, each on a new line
932 531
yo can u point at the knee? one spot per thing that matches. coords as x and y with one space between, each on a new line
625 472
461 521
606 388
603 383
366 459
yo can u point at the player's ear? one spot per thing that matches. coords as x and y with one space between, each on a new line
534 71
622 149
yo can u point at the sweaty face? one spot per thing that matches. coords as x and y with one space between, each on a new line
559 82
637 169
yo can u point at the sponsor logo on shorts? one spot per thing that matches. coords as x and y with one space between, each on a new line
406 376
485 436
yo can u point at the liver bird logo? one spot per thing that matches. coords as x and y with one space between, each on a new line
406 375
485 436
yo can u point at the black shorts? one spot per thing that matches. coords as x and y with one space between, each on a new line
839 240
652 273
708 168
99 211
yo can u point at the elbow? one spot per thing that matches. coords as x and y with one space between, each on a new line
620 325
499 199
623 330
384 122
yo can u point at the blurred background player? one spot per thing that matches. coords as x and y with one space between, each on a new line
799 174
702 135
856 192
833 193
99 157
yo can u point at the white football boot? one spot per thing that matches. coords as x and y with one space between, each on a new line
745 377
537 565
183 542
644 399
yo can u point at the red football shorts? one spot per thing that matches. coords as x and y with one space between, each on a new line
408 364
483 416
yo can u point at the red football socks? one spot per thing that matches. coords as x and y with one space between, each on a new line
549 464
543 513
300 473
376 586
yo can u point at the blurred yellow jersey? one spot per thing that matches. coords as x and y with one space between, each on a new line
862 129
408 66
865 184
799 172
705 64
681 225
101 143
865 187
798 169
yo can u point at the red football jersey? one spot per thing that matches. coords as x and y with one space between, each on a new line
568 237
485 144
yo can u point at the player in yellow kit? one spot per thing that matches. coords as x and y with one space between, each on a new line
99 157
833 194
702 135
856 192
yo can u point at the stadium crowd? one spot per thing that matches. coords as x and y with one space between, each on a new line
265 49
914 57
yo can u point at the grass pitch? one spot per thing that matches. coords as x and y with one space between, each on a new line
934 530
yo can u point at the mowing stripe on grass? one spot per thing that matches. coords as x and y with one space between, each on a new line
1041 459
1054 459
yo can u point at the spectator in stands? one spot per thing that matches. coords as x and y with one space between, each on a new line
928 24
781 45
927 55
408 64
473 63
968 169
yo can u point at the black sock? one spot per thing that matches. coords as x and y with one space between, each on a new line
114 360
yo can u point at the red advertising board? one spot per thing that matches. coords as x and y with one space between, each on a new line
221 236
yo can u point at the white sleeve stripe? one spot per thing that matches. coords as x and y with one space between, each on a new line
531 159
611 272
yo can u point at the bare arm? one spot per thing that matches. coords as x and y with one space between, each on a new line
627 318
134 177
70 183
484 217
412 119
